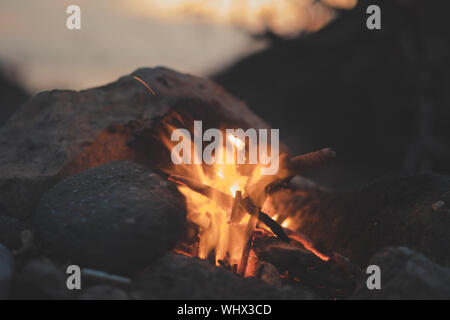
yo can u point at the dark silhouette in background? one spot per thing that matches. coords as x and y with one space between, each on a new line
12 95
379 98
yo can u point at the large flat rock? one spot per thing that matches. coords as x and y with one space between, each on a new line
59 133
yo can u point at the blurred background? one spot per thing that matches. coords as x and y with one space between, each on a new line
308 67
197 36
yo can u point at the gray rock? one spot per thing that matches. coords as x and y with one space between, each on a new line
117 217
180 277
406 275
6 271
60 133
269 274
41 279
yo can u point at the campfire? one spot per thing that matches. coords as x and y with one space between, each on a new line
232 223
134 218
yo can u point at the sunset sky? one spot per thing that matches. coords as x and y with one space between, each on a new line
118 36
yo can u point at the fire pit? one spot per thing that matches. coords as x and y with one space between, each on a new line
92 183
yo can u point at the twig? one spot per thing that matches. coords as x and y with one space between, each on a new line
274 226
297 166
223 199
145 84
306 242
307 162
236 211
226 200
244 258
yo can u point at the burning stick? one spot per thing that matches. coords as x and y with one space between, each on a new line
307 243
223 199
291 167
264 218
245 255
236 212
226 200
304 163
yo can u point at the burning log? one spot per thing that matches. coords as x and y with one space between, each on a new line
286 256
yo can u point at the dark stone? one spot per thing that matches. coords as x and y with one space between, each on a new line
117 217
393 211
269 274
12 96
10 230
180 277
6 271
41 279
60 133
406 275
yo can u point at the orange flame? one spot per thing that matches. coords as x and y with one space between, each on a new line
221 234
216 233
